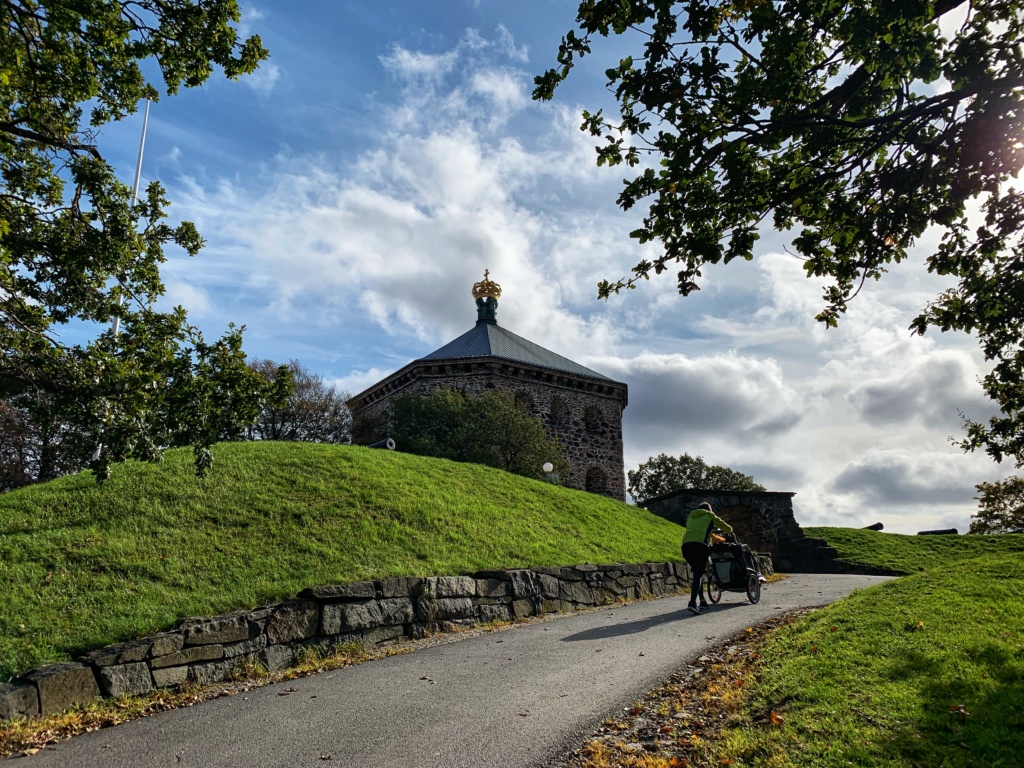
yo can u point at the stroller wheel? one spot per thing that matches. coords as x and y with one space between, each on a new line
753 588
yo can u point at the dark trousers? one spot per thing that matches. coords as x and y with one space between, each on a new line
696 553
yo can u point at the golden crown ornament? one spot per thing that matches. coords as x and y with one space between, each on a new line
486 288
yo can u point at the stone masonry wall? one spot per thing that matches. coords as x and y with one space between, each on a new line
207 650
589 426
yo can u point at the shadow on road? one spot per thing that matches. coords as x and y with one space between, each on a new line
635 627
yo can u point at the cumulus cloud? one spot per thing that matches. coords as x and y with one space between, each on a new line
932 389
724 393
892 478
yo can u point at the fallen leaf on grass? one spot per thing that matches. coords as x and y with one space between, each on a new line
959 709
776 718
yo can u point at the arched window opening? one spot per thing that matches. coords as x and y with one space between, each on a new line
596 481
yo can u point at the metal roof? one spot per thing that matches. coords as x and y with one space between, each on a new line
491 340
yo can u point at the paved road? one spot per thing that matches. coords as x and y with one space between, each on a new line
513 699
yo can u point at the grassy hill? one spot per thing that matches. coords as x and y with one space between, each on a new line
84 565
913 554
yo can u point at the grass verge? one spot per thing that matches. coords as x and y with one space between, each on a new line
913 554
926 670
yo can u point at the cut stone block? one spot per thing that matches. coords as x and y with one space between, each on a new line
576 592
224 630
62 686
497 612
211 672
245 647
18 699
188 656
372 637
449 586
524 583
548 585
357 590
293 620
163 645
522 608
445 608
276 657
122 653
124 679
165 678
349 617
401 586
492 588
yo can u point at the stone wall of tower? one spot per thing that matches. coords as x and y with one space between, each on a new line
585 419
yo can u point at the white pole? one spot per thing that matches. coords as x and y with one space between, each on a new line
135 199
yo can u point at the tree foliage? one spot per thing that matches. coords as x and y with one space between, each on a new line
662 474
852 127
73 249
490 429
35 443
315 412
1000 507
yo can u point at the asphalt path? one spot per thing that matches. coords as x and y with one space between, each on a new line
520 698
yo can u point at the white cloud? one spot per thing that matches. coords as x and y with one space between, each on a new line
263 79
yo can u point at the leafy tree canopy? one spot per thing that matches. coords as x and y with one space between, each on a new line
315 412
662 473
491 429
1000 507
852 126
72 247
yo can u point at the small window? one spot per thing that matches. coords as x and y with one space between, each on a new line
524 399
559 413
596 481
592 418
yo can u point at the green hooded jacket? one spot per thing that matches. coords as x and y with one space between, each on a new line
699 525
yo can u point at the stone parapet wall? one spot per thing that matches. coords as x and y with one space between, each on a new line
373 613
588 427
762 519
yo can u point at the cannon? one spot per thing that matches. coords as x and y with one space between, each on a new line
874 527
387 443
940 532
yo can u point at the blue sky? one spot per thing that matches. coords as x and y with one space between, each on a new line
353 189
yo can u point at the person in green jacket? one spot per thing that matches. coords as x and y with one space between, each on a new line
697 548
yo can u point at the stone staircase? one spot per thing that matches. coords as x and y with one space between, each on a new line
813 555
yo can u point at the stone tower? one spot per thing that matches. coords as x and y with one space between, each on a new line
581 408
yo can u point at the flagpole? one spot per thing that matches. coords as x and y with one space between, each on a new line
135 199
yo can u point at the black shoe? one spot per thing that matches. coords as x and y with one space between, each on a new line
693 609
704 607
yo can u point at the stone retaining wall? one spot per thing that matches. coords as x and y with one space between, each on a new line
373 613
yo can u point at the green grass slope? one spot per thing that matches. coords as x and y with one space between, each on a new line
82 565
924 670
912 554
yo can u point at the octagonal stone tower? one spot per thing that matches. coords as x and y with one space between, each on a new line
579 407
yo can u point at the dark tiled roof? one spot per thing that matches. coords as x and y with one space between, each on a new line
491 340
